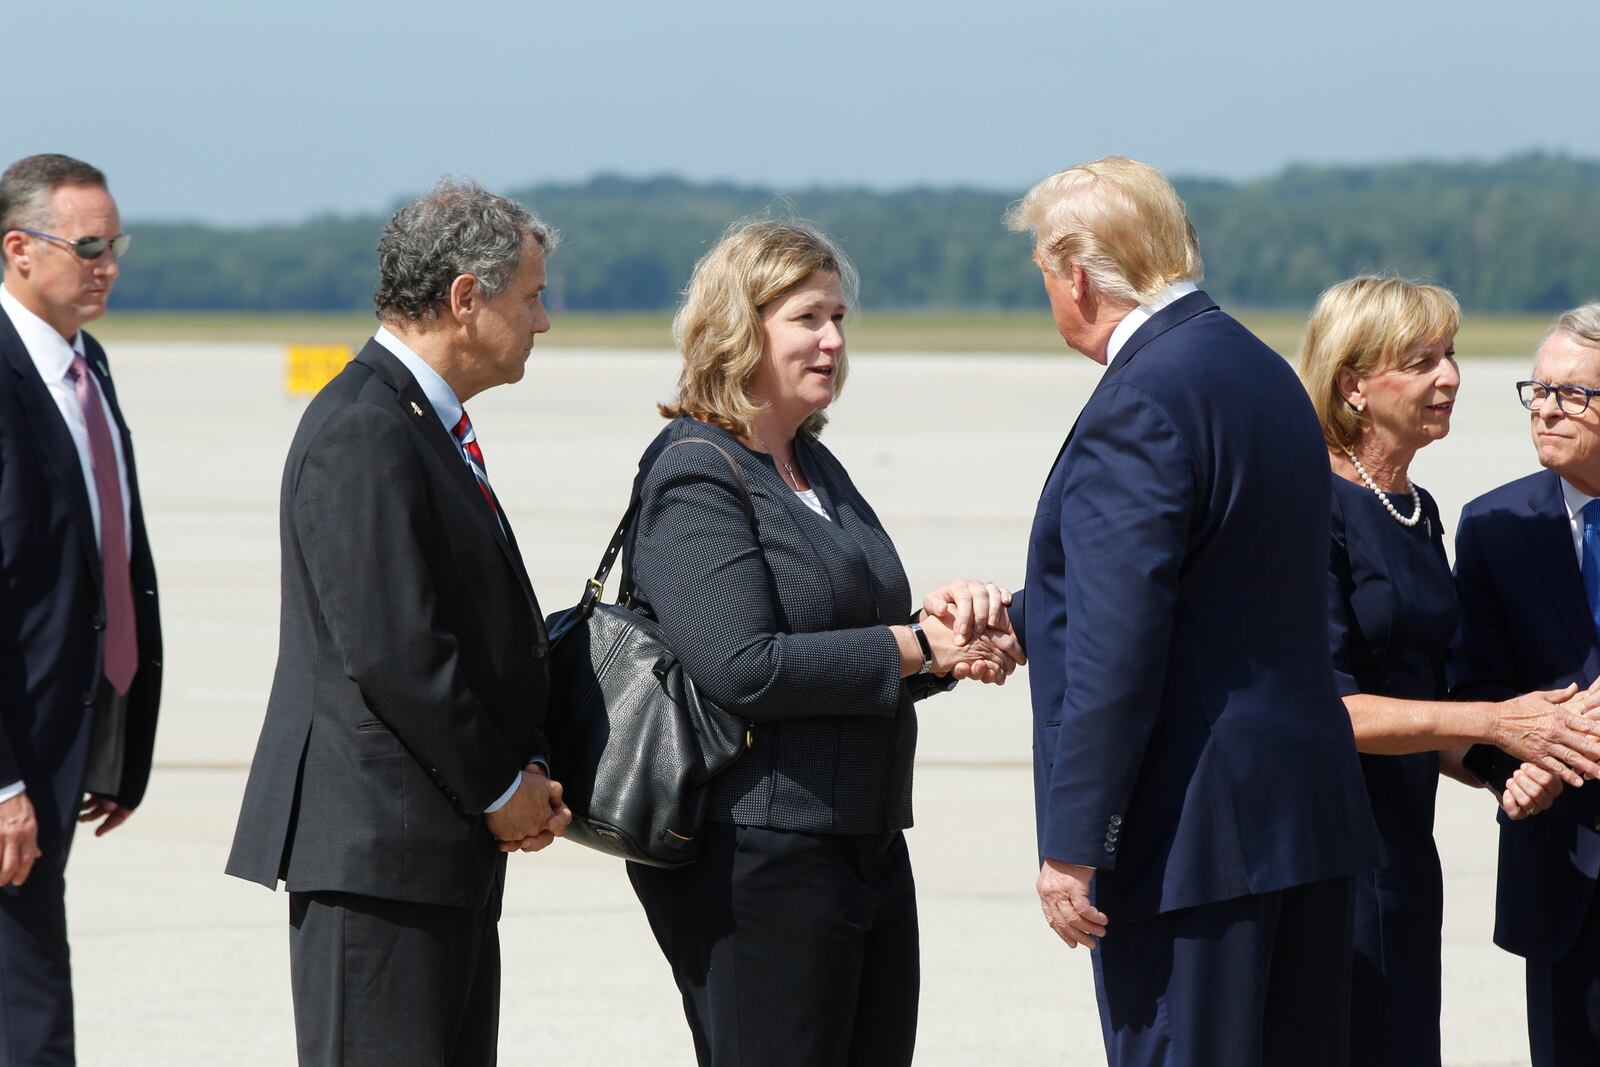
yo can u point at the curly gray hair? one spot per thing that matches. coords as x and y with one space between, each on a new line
457 228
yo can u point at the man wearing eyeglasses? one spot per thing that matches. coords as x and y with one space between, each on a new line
80 637
1528 575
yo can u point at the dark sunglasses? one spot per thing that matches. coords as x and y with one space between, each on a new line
89 247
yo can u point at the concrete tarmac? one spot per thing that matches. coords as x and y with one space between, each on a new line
177 964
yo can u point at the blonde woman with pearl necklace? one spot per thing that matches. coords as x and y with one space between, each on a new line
1379 362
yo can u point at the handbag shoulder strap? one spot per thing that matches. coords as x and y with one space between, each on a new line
595 587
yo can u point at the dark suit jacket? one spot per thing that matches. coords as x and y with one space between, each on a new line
1188 738
51 613
411 679
1525 625
785 623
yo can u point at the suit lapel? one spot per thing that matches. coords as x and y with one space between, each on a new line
1174 314
418 411
1549 534
51 439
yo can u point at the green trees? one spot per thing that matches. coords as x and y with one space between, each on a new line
1517 234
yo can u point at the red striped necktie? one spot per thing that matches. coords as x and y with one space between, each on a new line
121 658
480 470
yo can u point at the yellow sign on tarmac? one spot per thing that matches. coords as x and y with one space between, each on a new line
307 368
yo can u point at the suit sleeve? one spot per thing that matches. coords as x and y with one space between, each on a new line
364 527
1126 508
1481 667
1481 663
698 563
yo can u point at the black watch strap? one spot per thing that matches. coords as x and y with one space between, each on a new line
927 649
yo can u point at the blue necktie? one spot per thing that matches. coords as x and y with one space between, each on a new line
1591 559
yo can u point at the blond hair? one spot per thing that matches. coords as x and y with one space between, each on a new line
1366 324
718 329
1119 220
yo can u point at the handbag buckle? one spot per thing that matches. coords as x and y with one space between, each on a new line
594 588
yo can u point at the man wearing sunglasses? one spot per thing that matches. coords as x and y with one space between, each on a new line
80 638
1528 575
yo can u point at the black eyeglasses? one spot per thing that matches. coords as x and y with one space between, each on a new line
1572 399
88 247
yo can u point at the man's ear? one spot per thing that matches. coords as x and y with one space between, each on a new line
465 297
1079 284
15 247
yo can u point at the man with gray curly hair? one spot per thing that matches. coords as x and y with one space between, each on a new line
402 754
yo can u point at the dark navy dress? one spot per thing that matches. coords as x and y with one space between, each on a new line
1392 613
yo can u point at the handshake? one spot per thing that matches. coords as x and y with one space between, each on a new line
969 633
1556 735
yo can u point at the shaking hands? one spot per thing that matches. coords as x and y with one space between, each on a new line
969 631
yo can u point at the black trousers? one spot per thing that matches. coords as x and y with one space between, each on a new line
382 982
1259 981
35 966
791 949
1564 1002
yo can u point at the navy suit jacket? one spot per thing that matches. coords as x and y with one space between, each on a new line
1188 738
1525 625
52 621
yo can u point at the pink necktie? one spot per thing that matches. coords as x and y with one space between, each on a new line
122 637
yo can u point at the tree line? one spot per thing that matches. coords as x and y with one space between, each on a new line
1517 234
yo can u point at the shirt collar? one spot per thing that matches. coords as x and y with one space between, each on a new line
436 389
51 352
1576 499
1143 313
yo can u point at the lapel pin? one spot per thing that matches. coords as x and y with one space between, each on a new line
415 410
100 365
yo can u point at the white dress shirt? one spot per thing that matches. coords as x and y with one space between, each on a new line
1576 499
52 357
443 400
1142 314
809 498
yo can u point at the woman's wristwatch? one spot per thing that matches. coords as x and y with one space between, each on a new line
927 649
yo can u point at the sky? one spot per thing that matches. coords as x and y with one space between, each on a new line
276 111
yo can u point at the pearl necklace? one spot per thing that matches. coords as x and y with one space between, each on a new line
1416 499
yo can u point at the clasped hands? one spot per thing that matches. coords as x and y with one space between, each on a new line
1557 736
533 817
970 633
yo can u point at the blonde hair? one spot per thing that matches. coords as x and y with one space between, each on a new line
1366 324
718 329
1119 220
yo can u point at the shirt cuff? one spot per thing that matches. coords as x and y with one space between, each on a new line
505 797
15 789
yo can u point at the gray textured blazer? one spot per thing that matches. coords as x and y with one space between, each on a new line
785 623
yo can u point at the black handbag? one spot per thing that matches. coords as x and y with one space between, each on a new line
632 742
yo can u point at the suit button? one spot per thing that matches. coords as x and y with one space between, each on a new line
1111 846
98 622
87 698
1116 820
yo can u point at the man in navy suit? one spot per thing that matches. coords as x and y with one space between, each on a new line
1200 805
80 637
1528 575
